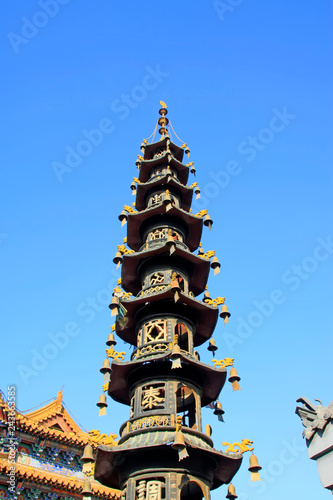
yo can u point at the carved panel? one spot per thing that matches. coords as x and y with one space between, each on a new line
155 330
153 396
156 279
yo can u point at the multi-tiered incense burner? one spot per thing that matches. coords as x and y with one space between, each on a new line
163 452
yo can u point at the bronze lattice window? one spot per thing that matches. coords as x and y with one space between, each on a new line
155 330
157 234
156 279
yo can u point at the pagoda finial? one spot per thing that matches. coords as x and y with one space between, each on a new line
163 121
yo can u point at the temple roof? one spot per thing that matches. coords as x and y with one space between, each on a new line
43 477
137 220
51 421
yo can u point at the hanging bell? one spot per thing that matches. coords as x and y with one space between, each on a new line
142 147
187 150
88 455
254 468
118 258
138 162
218 410
111 340
197 192
175 288
215 265
201 251
170 243
193 169
225 314
123 217
86 490
106 368
234 379
212 346
167 200
208 221
102 404
231 492
175 356
114 306
133 187
179 445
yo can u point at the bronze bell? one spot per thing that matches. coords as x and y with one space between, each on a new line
102 401
254 468
179 445
175 285
171 243
206 297
187 150
111 340
142 147
114 306
197 192
201 251
231 492
175 356
179 441
167 199
106 368
215 265
123 217
212 346
175 351
225 314
234 379
133 187
88 455
138 162
193 169
118 258
218 410
86 490
208 221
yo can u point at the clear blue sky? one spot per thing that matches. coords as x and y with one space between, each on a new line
249 87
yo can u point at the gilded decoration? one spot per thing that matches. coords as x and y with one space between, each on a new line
222 363
96 437
153 421
236 447
150 349
152 397
117 356
153 289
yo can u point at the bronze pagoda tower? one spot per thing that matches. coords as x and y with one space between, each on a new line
164 453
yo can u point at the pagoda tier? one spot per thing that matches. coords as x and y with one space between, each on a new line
164 163
142 225
138 269
125 376
156 147
200 316
163 182
114 465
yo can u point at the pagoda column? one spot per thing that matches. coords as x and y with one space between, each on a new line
164 451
